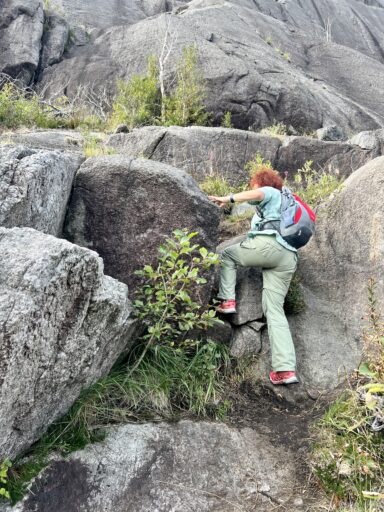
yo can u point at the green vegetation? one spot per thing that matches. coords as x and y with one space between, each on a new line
349 455
185 105
93 145
226 121
173 371
139 101
294 300
314 186
257 163
217 185
23 107
276 130
4 469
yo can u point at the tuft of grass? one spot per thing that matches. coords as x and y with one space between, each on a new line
226 121
216 184
93 146
166 385
294 300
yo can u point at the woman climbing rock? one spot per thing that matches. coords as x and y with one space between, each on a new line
264 247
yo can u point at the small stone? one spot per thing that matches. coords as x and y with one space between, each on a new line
330 133
122 128
298 502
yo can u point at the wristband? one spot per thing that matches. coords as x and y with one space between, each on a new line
231 198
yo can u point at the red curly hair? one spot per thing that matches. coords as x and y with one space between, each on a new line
266 177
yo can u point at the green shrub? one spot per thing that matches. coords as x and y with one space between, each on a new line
276 130
185 105
314 186
138 101
226 121
20 107
294 300
257 163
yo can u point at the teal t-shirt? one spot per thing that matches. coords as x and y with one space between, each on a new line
270 208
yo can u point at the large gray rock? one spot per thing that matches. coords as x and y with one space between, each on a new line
62 326
204 152
55 39
35 187
299 78
21 29
336 267
199 150
370 140
183 467
340 158
61 140
125 208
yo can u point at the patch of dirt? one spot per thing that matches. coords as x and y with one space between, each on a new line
287 426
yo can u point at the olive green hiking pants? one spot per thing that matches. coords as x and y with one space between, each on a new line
278 265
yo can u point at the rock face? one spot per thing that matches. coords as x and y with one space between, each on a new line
61 140
335 269
206 152
181 467
55 39
103 14
198 150
125 208
63 325
35 187
263 62
21 30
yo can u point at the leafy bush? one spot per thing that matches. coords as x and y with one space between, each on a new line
138 101
257 163
185 105
278 129
24 107
314 186
166 301
349 455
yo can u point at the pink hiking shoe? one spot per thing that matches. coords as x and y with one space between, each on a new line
283 378
227 306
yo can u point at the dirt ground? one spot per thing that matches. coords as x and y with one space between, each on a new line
288 427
